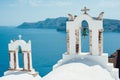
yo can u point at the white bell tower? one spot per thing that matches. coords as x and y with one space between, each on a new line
73 29
95 55
25 47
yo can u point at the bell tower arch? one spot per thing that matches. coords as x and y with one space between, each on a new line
20 46
73 30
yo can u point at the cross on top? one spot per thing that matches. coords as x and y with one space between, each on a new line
85 10
20 37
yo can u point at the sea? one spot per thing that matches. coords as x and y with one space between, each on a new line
48 45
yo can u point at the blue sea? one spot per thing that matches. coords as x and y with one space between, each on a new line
48 45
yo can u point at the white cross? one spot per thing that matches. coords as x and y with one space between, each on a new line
20 37
85 10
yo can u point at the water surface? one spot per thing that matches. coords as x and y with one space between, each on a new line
48 45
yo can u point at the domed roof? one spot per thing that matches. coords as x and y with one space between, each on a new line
78 71
23 76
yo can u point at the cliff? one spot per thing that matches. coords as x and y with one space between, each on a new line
110 25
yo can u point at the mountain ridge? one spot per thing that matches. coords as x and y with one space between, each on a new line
109 25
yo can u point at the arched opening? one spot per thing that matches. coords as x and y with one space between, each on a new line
84 36
20 57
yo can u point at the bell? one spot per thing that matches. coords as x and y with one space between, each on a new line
84 31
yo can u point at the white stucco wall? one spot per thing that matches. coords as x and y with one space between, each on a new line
11 60
26 49
25 61
97 57
14 45
94 25
90 60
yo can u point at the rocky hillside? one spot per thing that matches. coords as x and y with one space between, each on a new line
59 23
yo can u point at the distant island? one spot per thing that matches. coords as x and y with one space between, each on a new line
110 25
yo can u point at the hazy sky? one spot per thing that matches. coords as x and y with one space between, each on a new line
15 12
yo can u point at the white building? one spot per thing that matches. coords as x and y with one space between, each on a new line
93 65
21 76
79 71
25 47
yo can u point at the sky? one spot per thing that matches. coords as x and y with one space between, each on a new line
15 12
